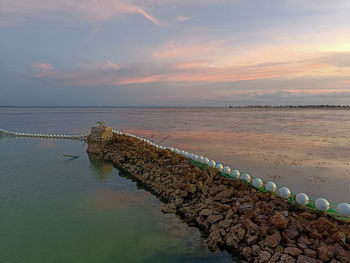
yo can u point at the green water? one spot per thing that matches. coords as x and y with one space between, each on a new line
54 209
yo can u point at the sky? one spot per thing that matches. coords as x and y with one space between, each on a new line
174 52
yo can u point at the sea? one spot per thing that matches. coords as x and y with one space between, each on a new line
58 209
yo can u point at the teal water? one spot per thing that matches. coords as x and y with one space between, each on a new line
54 209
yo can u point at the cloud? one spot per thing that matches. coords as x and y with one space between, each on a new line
99 66
43 69
181 18
92 10
112 65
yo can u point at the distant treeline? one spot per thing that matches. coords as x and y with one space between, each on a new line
326 106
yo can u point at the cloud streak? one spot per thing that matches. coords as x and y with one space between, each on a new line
93 10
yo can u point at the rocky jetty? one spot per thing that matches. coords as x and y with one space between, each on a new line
252 225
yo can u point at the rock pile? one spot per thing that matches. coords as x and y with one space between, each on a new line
256 226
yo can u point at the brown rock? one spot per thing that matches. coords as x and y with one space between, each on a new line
214 218
273 240
303 242
291 232
323 224
244 208
279 220
275 257
206 212
325 252
310 253
305 259
286 259
191 188
309 215
250 240
340 237
226 223
178 201
240 233
214 239
264 256
226 194
293 251
247 252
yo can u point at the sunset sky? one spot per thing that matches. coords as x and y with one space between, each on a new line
174 52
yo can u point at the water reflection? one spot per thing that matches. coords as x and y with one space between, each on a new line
102 169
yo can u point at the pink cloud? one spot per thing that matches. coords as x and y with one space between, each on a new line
112 65
44 69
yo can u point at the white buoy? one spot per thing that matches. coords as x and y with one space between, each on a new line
212 164
271 187
219 167
284 192
343 209
195 157
245 177
235 173
205 160
322 204
200 159
226 170
302 199
257 182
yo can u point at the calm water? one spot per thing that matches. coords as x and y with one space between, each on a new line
58 210
306 150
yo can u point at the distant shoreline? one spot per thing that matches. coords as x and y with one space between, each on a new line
198 107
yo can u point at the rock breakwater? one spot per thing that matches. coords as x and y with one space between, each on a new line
256 226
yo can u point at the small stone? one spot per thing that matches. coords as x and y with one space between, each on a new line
273 240
293 251
279 220
325 252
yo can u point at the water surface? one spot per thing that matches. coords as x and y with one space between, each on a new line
54 209
306 150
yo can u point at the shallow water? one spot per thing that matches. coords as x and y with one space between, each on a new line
57 209
307 150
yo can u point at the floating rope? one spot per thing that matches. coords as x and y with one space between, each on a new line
340 211
48 136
